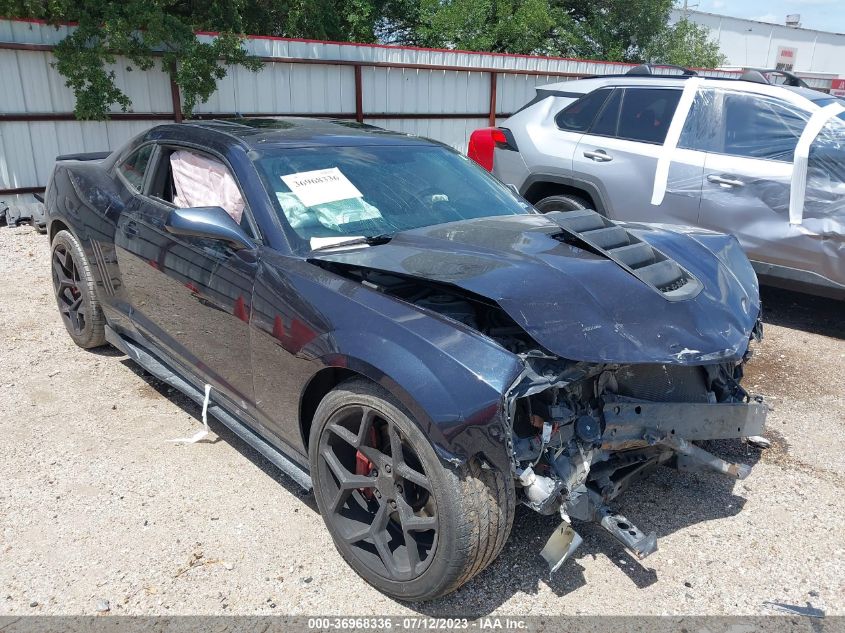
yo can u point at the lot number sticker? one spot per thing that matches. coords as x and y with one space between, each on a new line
321 186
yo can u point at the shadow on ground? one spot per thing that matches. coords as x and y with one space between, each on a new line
803 312
664 502
221 431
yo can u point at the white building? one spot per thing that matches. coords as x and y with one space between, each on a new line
816 56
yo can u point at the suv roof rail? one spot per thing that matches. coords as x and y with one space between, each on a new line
758 76
754 76
648 69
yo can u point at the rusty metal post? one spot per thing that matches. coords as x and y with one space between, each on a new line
175 96
492 116
359 95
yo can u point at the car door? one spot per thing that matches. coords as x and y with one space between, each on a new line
619 152
555 139
748 174
191 296
823 219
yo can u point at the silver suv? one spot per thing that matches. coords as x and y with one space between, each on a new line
597 143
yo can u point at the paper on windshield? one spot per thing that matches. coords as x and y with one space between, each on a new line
321 186
320 242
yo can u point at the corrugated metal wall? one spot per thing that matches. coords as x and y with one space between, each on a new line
444 95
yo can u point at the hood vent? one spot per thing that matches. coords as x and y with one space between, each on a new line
591 231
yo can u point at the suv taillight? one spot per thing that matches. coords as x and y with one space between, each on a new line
483 142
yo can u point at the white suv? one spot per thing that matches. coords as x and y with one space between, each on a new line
597 142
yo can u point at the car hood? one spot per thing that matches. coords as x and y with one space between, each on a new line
579 304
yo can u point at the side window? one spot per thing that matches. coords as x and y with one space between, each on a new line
187 179
578 116
608 119
135 166
759 127
646 113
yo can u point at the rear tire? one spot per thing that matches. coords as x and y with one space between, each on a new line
441 525
76 295
563 202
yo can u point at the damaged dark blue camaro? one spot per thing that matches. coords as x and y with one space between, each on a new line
394 328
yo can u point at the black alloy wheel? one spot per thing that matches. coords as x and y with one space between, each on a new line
411 525
66 282
381 501
76 296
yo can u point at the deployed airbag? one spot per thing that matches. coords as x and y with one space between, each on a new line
204 182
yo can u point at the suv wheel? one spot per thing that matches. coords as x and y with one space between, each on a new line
76 297
564 202
409 526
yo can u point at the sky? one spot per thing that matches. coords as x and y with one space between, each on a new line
824 15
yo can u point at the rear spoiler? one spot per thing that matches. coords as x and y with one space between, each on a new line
543 93
88 156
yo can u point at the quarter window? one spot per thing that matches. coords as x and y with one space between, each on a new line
134 167
578 116
646 113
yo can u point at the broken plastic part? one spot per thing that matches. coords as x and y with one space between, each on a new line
561 545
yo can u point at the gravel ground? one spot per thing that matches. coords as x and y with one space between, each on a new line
96 505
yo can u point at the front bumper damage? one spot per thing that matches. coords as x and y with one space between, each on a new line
594 438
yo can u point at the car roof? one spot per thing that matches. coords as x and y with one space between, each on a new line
294 132
809 93
583 86
575 88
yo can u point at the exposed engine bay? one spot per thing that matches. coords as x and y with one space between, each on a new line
581 433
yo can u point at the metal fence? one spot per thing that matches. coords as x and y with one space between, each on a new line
440 94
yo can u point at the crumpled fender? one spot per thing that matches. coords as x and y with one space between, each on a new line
458 405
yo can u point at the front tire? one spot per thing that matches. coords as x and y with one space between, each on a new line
76 296
410 527
565 202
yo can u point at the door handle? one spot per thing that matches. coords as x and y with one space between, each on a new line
727 181
599 156
130 229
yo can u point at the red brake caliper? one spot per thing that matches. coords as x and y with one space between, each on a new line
364 466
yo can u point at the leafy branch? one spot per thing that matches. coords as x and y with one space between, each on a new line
143 32
146 32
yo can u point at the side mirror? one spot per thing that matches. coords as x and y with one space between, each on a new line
210 223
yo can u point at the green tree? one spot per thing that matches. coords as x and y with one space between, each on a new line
338 20
611 30
143 32
686 44
146 32
513 26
